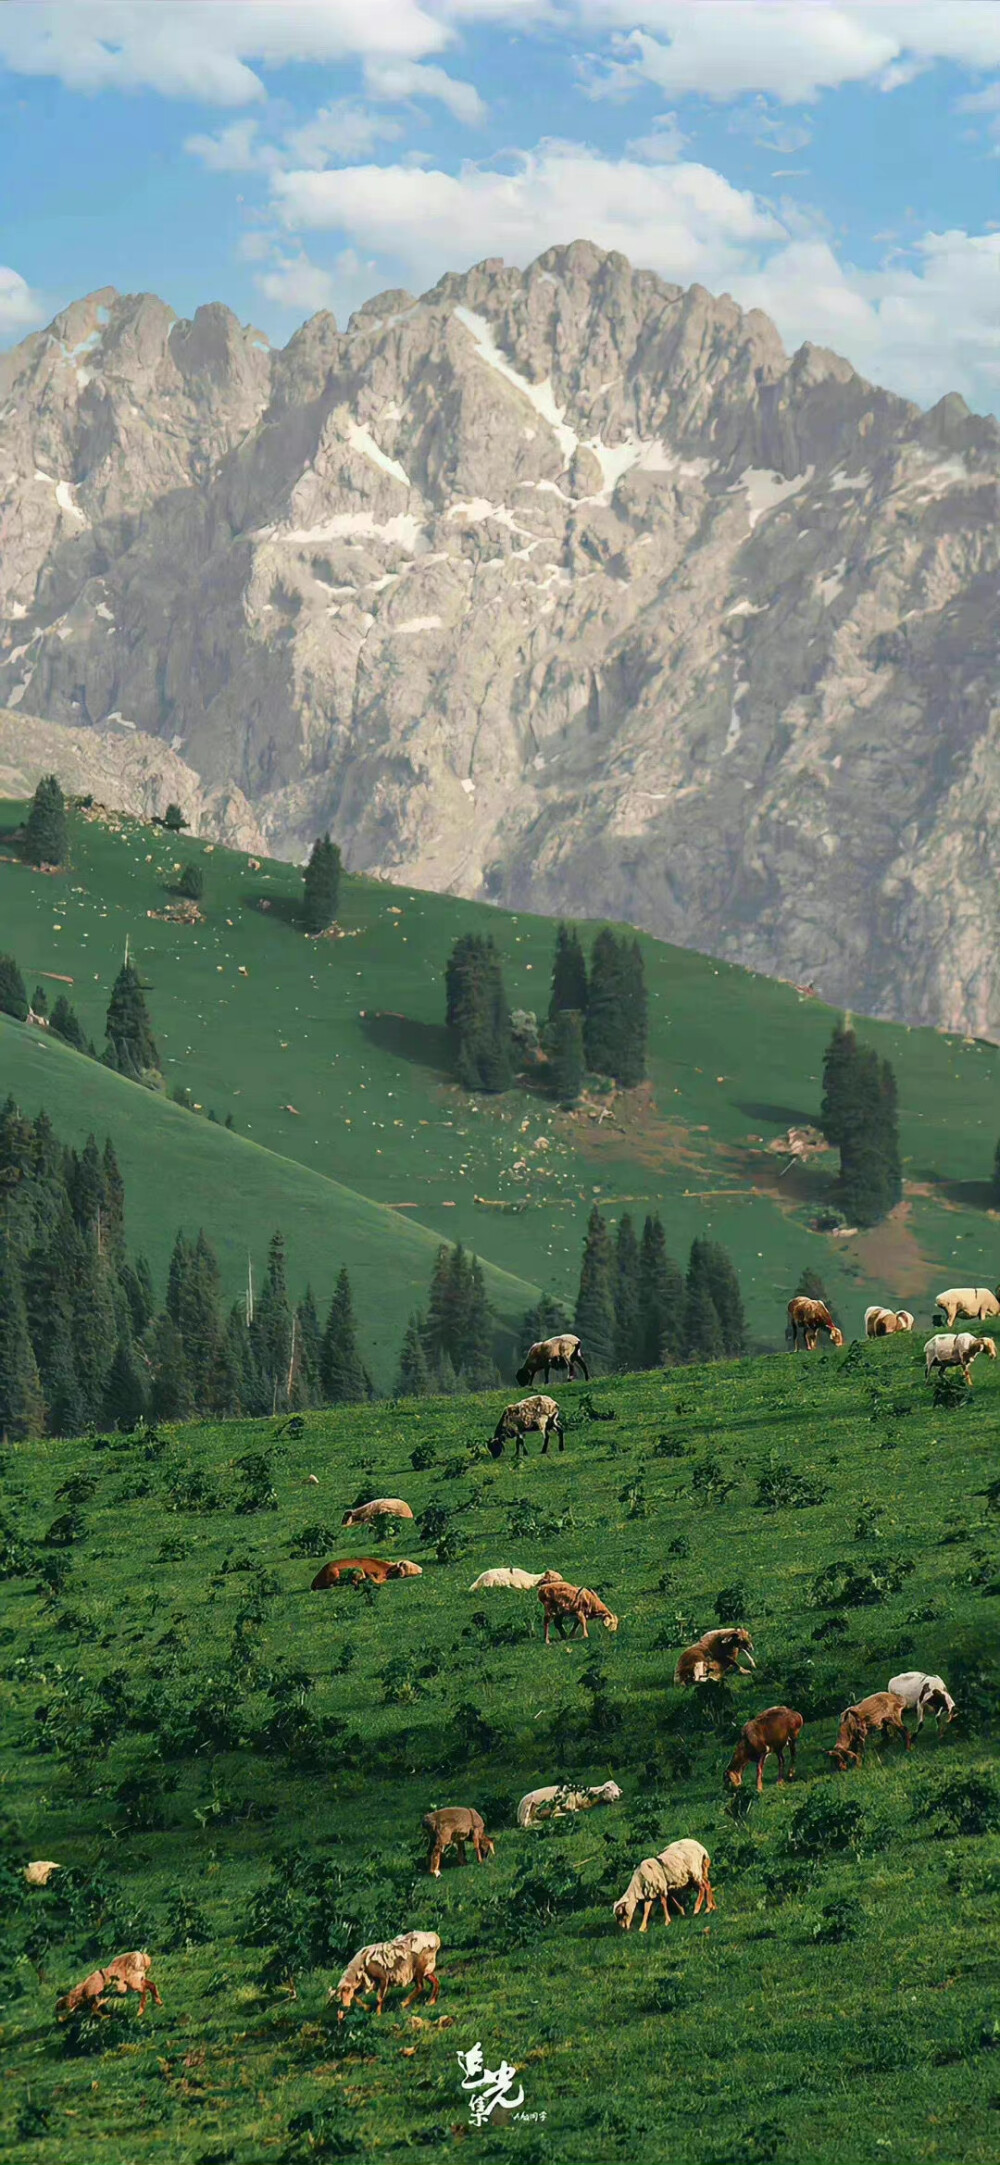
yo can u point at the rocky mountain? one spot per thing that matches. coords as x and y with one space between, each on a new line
125 770
567 588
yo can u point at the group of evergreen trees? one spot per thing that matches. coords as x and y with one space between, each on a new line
597 1022
478 1016
82 1340
130 1046
636 1309
860 1116
450 1347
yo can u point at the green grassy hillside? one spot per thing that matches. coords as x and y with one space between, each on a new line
180 1709
331 1054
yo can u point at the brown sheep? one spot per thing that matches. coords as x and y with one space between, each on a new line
810 1317
715 1655
458 1824
528 1414
883 1322
127 1973
777 1730
561 1601
880 1714
363 1567
562 1352
409 1959
380 1507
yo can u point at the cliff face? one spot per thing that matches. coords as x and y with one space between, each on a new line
565 587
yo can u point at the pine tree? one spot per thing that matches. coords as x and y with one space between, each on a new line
661 1299
114 1203
170 1397
321 885
137 1282
65 1023
174 819
478 1016
87 1190
191 883
703 1333
126 1394
724 1287
870 1169
838 1082
94 1326
193 1287
549 1317
594 1318
343 1378
46 833
616 1026
628 1307
40 1002
569 974
812 1286
131 1046
308 1341
567 1065
272 1325
413 1376
22 1408
13 997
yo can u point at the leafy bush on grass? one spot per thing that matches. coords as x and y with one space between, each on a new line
859 1586
257 1491
305 1916
949 1390
710 1482
193 1491
967 1803
320 2132
839 1919
826 1823
423 1457
186 1924
313 1540
781 1488
731 1603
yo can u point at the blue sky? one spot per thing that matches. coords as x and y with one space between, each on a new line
837 165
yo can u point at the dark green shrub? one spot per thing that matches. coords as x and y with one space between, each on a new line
839 1919
710 1482
186 1923
859 1586
826 1823
313 1540
423 1457
964 1804
781 1488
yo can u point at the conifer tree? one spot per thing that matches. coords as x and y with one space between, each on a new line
136 1279
569 974
628 1308
88 1192
170 1396
567 1065
13 997
661 1299
22 1408
343 1378
46 833
40 1002
812 1286
308 1342
724 1286
191 883
193 1287
131 1046
703 1333
413 1376
95 1326
616 1025
838 1082
126 1396
114 1203
65 1023
594 1318
321 885
478 1016
272 1325
174 819
549 1317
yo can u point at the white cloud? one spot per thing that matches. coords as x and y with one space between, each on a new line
663 145
234 150
396 80
294 282
19 307
342 130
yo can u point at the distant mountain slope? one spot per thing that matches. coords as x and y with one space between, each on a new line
123 769
565 587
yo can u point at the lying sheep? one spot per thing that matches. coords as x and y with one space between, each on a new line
928 1694
127 1973
882 1322
522 1419
456 1824
561 1797
507 1575
715 1655
664 1879
364 1567
956 1350
40 1872
563 1352
879 1715
379 1508
408 1959
563 1603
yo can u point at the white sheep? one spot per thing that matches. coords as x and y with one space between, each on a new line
882 1322
40 1872
508 1575
681 1865
560 1797
974 1301
408 1959
956 1349
380 1507
928 1694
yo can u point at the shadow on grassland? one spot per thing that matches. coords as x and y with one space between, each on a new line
778 1116
286 908
423 1044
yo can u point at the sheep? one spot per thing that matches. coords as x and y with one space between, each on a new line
956 1350
882 1322
810 1317
659 1879
883 1712
521 1419
507 1575
563 1352
408 1959
458 1824
364 1567
928 1694
714 1655
127 1973
380 1507
974 1301
40 1872
560 1797
561 1601
776 1730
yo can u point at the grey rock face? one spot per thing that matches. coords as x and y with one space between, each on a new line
566 588
124 770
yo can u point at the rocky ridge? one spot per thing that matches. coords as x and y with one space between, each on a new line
566 588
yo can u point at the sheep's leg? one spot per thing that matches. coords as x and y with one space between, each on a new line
792 1745
547 1623
781 1766
760 1772
382 1990
434 1860
646 1907
582 1620
435 1986
545 1442
460 1846
665 1906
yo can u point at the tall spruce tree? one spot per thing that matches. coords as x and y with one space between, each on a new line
616 1026
22 1407
567 1065
569 974
321 885
126 1395
478 1016
65 1023
272 1326
594 1317
413 1375
549 1317
839 1061
458 1329
628 1299
343 1376
95 1326
13 997
46 833
724 1286
170 1394
661 1299
704 1338
131 1046
308 1339
40 1002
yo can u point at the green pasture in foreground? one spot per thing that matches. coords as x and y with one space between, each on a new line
331 1055
181 1710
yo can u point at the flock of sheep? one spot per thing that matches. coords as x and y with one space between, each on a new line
410 1959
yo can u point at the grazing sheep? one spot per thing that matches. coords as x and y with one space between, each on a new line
408 1959
562 1602
561 1797
507 1575
521 1419
810 1317
714 1655
929 1694
956 1350
456 1824
364 1567
882 1322
777 1730
974 1301
127 1973
870 1717
664 1878
40 1873
381 1507
563 1352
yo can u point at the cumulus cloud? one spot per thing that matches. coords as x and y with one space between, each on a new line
396 80
19 307
235 149
294 282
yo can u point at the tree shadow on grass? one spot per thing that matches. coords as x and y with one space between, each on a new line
969 1194
286 908
422 1044
779 1116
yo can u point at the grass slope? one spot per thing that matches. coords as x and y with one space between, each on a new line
332 1054
759 2037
